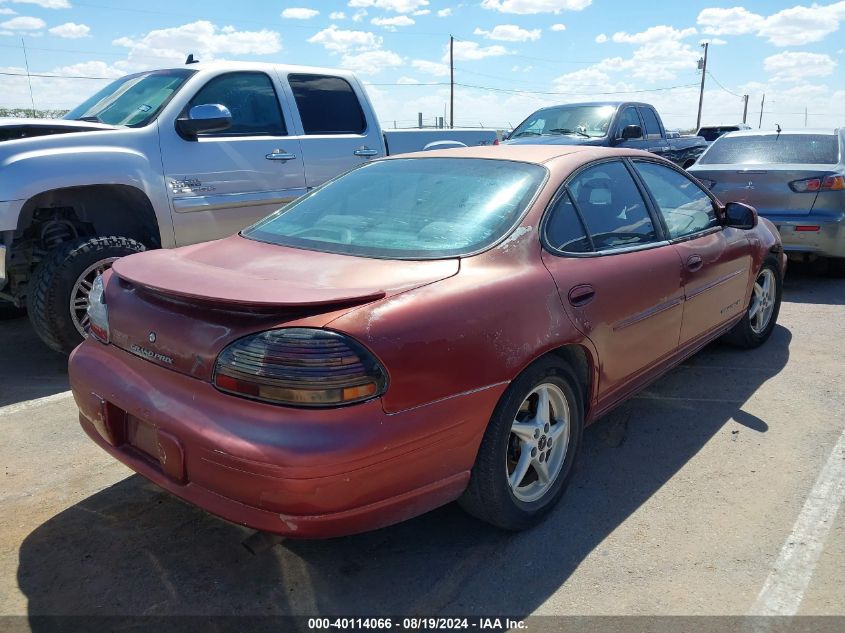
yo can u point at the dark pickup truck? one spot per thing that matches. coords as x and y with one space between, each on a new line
607 124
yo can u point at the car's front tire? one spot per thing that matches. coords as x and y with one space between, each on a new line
527 454
58 293
762 313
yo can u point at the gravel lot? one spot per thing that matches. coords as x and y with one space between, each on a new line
687 501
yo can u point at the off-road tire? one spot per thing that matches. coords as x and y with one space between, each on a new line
48 296
488 495
742 335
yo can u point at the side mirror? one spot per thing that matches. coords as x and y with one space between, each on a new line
740 216
631 132
204 119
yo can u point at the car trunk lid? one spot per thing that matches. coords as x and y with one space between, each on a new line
179 308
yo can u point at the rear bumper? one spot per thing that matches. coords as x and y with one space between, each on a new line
299 473
827 241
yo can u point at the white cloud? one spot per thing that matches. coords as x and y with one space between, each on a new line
444 13
522 69
658 33
798 66
530 7
6 11
422 12
359 15
337 15
431 68
392 23
558 27
203 38
397 6
408 81
601 38
465 51
370 62
793 26
509 33
71 30
343 41
299 13
23 23
713 41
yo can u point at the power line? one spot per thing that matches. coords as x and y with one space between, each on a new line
709 74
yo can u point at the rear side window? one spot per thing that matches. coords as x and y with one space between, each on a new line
564 230
810 149
652 125
612 207
327 105
682 203
251 99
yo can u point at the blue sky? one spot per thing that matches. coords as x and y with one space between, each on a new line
512 56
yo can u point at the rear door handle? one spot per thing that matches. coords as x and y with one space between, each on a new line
581 295
366 151
277 154
694 262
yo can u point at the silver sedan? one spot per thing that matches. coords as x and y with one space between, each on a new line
794 178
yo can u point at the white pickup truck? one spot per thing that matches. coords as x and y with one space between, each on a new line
172 157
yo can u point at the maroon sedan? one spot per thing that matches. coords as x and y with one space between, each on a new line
422 329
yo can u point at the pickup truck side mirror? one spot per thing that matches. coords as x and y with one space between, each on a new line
204 119
631 132
740 216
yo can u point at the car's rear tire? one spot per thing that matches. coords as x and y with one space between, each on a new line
58 290
762 313
509 486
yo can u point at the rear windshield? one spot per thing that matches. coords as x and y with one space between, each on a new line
415 208
811 149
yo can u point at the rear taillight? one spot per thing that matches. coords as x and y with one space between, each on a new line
300 366
821 183
98 311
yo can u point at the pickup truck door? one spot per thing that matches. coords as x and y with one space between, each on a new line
220 183
334 124
716 261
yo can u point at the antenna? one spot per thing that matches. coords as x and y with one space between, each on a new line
191 60
28 77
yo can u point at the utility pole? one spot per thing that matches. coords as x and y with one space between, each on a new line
745 108
762 103
451 81
702 64
805 116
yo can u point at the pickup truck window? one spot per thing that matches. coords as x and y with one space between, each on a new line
682 203
134 100
251 99
577 120
612 207
652 125
416 208
628 117
327 105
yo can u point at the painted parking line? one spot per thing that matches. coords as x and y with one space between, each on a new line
784 589
26 405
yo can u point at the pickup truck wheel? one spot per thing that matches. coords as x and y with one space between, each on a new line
526 457
58 294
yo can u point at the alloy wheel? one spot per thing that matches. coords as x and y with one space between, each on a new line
81 289
762 301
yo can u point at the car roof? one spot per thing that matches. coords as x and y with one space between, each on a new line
537 154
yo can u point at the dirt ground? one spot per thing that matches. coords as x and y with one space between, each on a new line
687 501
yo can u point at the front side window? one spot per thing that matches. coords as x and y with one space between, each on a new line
134 100
628 117
251 99
415 208
327 105
684 206
612 207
